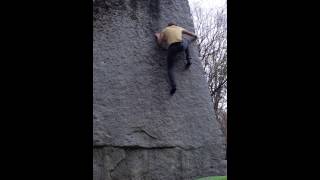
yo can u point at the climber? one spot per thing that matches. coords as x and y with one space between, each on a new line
171 36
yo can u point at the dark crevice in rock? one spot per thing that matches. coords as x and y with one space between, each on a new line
133 15
154 9
154 12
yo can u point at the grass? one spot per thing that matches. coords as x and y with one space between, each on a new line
213 178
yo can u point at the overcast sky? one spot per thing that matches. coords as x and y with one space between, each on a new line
208 3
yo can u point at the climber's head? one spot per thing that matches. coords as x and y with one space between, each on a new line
171 24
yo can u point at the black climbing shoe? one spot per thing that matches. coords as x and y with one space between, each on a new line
173 90
188 65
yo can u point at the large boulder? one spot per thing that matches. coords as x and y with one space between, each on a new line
140 131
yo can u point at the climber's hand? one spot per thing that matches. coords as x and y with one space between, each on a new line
159 38
157 35
195 38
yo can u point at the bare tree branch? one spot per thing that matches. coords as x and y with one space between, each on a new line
211 28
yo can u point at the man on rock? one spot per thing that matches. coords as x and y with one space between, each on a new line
172 37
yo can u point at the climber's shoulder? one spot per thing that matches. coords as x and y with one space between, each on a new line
165 29
172 29
181 28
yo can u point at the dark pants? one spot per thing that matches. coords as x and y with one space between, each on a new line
173 50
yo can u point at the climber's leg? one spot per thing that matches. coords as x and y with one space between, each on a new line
188 58
187 51
172 52
170 70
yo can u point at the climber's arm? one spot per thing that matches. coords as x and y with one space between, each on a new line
160 39
189 33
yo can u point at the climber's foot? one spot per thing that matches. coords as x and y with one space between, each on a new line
173 90
188 65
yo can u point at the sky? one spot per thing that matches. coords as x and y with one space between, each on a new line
209 3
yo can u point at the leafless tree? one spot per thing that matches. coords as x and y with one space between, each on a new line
211 29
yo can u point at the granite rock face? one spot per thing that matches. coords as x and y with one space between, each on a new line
140 131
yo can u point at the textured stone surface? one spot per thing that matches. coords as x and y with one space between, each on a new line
140 131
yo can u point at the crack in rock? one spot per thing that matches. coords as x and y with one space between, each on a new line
117 164
134 147
145 132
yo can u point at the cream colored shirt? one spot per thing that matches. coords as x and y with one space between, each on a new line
172 34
